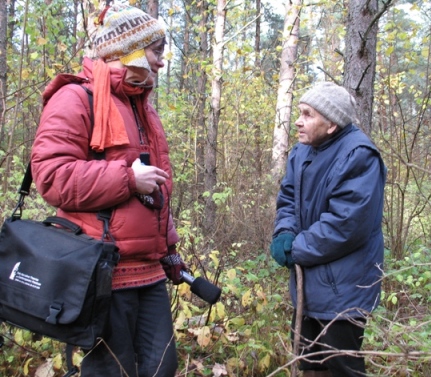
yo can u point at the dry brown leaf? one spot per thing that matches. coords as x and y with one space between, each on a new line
219 370
45 370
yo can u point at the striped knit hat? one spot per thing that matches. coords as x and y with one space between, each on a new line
332 101
123 33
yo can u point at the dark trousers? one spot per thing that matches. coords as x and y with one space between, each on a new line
341 335
141 341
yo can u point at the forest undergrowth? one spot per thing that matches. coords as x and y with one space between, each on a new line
247 332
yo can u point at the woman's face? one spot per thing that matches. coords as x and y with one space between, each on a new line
154 54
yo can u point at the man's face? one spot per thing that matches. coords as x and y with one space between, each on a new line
313 128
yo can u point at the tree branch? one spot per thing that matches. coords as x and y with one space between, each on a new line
362 77
328 74
376 18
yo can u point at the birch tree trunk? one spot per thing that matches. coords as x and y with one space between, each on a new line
258 67
285 95
360 56
201 102
153 8
211 142
153 11
188 24
3 67
89 9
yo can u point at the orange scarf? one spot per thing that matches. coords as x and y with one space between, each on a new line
109 129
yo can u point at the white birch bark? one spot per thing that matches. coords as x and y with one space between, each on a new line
212 131
284 96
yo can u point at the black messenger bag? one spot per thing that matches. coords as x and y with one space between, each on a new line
54 279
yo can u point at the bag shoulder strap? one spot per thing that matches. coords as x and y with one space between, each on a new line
97 155
104 215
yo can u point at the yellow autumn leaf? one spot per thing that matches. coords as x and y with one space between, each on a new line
184 291
237 321
264 362
62 47
179 322
26 366
57 361
220 310
246 298
231 274
214 257
41 41
18 337
77 358
235 363
186 310
212 316
25 74
204 336
232 288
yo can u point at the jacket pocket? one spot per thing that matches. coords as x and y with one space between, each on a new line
330 277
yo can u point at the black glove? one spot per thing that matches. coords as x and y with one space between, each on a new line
281 249
173 264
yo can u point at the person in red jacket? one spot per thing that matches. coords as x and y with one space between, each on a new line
85 160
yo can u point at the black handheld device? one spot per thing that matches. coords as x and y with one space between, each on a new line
202 288
145 158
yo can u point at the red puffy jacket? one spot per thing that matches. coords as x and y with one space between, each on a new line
69 178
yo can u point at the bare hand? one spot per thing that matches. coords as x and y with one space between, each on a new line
148 178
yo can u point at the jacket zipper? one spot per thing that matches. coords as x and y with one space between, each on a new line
331 279
141 131
142 140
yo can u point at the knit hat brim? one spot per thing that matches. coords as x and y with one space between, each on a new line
136 59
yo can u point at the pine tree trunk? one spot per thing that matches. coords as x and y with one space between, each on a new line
360 57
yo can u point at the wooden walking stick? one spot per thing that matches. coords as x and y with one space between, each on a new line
298 318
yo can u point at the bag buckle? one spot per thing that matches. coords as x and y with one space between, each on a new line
54 311
105 216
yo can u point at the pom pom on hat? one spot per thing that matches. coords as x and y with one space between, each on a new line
332 101
123 33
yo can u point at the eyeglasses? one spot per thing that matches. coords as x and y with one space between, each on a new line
158 52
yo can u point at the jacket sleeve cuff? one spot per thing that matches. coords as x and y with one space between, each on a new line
132 181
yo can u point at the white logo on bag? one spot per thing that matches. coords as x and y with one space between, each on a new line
25 279
14 271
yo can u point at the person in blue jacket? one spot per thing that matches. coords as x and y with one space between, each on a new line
328 221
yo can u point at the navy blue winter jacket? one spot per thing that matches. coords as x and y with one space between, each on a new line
331 199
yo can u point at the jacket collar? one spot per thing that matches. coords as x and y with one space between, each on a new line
338 135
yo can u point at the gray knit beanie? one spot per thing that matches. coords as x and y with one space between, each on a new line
332 101
123 33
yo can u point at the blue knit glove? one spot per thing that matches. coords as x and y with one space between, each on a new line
281 249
